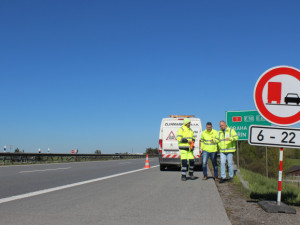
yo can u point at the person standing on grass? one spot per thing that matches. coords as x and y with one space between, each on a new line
226 140
209 149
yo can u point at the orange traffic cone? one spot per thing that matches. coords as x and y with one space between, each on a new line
147 165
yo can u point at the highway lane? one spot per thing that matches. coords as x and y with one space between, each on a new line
139 197
16 180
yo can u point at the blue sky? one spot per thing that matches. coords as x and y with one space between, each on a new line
102 74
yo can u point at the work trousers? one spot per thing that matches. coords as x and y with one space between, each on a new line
213 156
187 162
229 157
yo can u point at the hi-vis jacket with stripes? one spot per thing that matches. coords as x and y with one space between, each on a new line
206 138
184 135
227 146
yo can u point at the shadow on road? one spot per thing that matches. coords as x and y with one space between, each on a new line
172 168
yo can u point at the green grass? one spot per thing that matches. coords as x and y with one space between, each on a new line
293 162
263 188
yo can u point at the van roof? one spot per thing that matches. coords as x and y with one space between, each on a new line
193 118
181 116
179 119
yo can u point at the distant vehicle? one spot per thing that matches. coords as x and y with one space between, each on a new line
292 98
169 153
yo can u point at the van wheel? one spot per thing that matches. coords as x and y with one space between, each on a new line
162 167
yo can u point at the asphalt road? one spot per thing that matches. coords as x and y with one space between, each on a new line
106 192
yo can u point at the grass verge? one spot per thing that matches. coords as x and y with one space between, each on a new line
263 188
294 162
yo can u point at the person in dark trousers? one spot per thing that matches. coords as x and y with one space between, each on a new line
186 138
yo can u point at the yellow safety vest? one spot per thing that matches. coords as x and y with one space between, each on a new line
188 134
206 138
227 146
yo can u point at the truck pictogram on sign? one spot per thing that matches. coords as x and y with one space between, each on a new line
274 92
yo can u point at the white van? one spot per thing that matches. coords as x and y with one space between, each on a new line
169 153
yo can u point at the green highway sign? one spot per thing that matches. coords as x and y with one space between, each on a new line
240 121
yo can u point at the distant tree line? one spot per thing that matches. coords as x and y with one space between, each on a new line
254 158
17 150
151 151
98 152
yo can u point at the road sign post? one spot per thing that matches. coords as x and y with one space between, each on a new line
276 97
280 176
275 136
266 161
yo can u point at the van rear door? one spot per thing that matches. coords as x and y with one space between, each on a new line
170 143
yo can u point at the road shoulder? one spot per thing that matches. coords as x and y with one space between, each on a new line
241 210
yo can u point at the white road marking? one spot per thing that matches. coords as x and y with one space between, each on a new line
35 193
32 171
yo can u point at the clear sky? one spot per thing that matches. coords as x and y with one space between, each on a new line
102 74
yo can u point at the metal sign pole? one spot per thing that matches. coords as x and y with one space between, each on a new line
237 155
266 161
280 176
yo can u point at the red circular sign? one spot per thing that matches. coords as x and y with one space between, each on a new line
73 151
258 95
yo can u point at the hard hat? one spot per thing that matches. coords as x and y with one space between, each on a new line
186 121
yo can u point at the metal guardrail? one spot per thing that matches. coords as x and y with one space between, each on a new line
21 158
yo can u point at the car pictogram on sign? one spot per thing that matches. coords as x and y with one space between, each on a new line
292 98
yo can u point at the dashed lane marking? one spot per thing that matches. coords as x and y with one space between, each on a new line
32 171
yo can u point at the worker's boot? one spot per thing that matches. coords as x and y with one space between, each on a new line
192 177
183 178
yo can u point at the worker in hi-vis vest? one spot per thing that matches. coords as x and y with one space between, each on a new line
186 139
209 149
226 139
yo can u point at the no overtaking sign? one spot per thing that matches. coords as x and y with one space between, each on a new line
277 95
